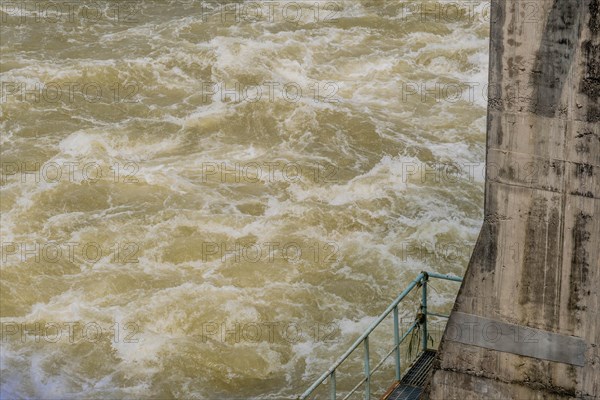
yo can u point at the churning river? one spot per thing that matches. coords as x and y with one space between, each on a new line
213 199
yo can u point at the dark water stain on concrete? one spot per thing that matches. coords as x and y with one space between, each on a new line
584 170
555 55
534 252
495 91
542 260
594 24
486 249
558 168
494 124
514 63
580 262
584 176
484 256
551 299
590 81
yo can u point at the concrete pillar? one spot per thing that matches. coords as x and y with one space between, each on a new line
526 323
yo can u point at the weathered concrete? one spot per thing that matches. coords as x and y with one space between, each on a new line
536 263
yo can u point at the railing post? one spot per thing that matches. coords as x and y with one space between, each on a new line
424 312
332 385
367 371
397 343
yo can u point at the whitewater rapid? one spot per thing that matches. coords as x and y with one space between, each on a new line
210 205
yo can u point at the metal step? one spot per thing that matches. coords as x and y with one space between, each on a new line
411 385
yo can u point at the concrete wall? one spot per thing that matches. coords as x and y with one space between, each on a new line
536 263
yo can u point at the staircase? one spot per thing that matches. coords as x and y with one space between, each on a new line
407 386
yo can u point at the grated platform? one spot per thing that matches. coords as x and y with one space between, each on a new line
411 385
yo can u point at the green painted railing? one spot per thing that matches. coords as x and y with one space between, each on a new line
420 280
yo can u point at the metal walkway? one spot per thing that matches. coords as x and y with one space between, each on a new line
411 385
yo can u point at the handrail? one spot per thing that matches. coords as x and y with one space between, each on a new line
421 279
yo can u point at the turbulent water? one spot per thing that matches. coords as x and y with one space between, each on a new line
212 201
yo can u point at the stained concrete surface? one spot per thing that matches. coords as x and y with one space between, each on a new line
536 262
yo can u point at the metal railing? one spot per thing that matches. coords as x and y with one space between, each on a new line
421 321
